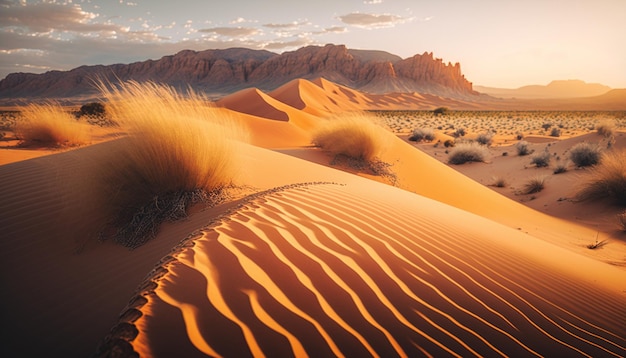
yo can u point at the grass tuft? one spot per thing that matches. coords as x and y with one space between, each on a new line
541 160
179 151
535 185
606 128
50 125
607 180
354 135
422 134
468 152
522 148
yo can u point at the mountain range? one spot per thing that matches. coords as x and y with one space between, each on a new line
220 72
555 89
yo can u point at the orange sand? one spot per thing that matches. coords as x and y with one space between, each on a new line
341 266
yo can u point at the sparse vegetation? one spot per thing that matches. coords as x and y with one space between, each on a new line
468 152
606 128
555 132
422 134
541 159
50 125
179 151
560 167
441 111
607 180
499 182
522 148
92 109
585 154
534 185
485 138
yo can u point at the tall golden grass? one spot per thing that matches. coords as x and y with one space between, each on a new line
50 125
355 135
179 148
606 180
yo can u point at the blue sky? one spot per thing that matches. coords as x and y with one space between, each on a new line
499 43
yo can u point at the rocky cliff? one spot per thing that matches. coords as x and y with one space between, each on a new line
225 71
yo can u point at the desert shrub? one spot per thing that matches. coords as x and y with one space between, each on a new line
448 143
546 126
353 135
179 151
460 132
422 134
560 168
92 109
441 111
485 138
499 182
50 125
522 148
541 160
606 128
534 185
607 180
585 154
468 152
555 132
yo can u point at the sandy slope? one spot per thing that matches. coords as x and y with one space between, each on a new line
349 266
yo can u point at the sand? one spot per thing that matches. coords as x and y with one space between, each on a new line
311 259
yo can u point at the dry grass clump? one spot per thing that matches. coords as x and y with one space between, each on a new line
422 134
354 135
585 154
179 151
541 159
50 125
468 152
606 128
522 148
485 138
535 185
607 180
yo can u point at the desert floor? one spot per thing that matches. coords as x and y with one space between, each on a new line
311 255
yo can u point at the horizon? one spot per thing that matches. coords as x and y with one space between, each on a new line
502 45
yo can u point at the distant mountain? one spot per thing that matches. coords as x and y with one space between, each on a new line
555 89
226 71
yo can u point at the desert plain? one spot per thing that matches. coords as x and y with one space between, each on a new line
312 220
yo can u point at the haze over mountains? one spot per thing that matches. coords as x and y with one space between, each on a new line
555 89
226 71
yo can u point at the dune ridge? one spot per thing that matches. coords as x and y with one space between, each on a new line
325 271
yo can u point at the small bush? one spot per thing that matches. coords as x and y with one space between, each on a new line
585 154
541 160
499 182
460 132
560 168
534 185
51 126
353 135
92 109
522 148
441 111
606 128
448 143
485 138
422 134
556 132
468 152
607 180
546 126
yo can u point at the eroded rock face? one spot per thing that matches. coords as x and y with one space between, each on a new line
225 71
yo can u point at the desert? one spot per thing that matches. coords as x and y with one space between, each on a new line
325 201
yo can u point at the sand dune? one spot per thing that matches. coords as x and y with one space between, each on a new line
332 270
338 266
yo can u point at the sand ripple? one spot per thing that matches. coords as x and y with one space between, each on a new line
322 271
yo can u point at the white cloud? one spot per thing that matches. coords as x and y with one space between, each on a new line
372 20
373 2
231 31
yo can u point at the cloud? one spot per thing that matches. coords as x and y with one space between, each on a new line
289 25
283 45
372 20
335 29
231 31
373 2
47 17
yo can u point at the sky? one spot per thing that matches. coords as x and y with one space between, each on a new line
499 43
